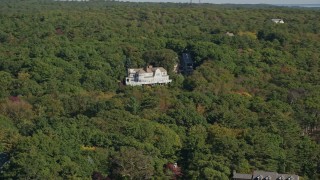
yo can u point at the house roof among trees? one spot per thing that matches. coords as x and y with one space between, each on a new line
242 176
264 175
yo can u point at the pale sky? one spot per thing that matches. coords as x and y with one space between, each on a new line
237 1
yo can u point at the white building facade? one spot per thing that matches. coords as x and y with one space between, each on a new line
277 21
151 75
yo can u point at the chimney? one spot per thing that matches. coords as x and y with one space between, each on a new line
149 68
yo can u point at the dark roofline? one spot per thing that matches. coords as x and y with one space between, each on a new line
263 174
186 58
4 158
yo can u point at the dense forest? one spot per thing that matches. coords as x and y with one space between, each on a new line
252 102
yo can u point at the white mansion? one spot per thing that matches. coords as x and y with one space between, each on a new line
151 75
277 21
